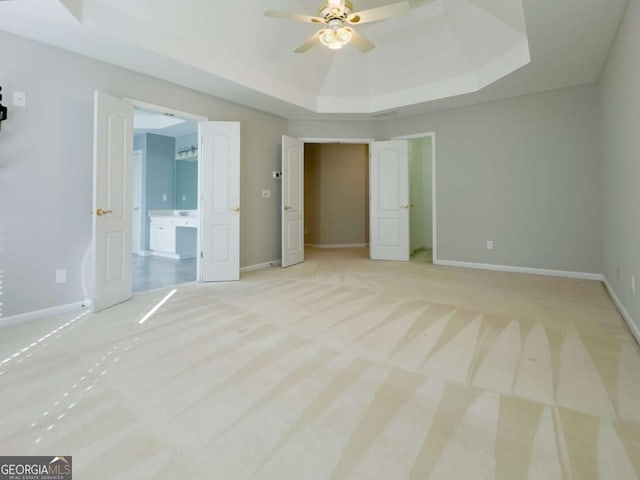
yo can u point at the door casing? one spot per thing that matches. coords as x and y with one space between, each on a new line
136 197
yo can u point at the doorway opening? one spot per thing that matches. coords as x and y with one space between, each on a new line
420 197
217 224
395 207
165 213
336 195
422 194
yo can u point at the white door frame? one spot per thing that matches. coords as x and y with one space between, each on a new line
166 110
137 248
434 217
180 114
186 116
357 141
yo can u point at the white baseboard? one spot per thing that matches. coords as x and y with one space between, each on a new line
47 312
174 256
260 266
635 331
532 271
143 253
344 245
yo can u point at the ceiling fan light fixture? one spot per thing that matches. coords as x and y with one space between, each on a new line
344 36
338 16
336 36
327 36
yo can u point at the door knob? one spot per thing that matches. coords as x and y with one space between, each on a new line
405 205
236 209
100 212
287 207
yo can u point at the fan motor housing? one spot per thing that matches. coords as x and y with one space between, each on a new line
329 13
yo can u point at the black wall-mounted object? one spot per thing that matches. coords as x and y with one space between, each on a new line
3 109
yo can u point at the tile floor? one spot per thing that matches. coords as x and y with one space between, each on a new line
151 273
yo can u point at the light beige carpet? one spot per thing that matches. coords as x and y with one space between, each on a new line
337 368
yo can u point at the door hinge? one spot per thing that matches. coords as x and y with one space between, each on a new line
201 255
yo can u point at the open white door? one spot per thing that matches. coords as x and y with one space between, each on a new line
389 200
219 201
112 156
292 201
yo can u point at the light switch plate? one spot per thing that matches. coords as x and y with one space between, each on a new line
19 99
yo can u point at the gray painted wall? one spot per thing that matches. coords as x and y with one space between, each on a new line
46 155
186 176
336 129
620 107
159 177
523 172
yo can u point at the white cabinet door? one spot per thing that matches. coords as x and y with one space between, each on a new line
162 238
389 200
292 201
112 161
154 237
220 201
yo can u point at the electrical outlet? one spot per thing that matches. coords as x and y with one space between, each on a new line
489 244
164 197
19 99
184 198
61 276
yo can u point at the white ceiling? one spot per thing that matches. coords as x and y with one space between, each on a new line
423 61
169 126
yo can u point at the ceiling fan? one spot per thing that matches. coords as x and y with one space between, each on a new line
337 17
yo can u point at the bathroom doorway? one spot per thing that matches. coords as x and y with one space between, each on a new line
165 217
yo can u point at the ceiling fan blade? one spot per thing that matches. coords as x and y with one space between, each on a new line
311 41
379 13
296 17
360 42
